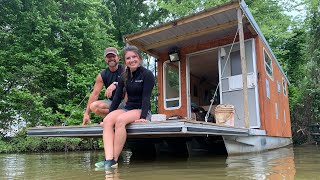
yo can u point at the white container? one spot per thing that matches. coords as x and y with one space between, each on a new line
158 117
224 114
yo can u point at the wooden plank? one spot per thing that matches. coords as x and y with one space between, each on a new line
244 69
249 26
192 35
182 21
146 50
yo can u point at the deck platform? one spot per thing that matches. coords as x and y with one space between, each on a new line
143 130
179 136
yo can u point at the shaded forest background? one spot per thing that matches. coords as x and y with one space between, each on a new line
51 51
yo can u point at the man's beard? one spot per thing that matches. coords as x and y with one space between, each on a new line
112 63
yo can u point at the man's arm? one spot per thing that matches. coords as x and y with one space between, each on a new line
93 97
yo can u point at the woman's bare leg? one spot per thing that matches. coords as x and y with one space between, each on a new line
108 132
120 134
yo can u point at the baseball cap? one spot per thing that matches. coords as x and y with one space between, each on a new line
110 50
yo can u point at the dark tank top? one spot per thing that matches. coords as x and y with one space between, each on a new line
109 77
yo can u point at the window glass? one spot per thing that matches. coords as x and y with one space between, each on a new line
268 64
277 113
268 88
284 85
235 63
171 84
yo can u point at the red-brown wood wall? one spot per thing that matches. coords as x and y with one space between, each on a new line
273 126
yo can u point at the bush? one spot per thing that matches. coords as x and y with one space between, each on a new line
23 143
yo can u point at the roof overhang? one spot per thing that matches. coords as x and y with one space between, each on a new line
213 23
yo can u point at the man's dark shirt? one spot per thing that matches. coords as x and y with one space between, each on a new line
109 77
138 87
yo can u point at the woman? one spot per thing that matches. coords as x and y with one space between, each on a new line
138 83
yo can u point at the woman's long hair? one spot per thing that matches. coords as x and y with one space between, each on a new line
127 71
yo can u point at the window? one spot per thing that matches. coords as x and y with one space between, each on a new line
267 88
171 79
284 85
235 63
268 63
277 113
279 86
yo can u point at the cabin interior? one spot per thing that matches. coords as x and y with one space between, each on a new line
204 80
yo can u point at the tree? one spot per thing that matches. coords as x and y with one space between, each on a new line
50 52
313 24
131 16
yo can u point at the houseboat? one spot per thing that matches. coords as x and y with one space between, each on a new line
204 101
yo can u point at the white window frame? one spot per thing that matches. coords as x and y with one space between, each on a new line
266 65
278 86
284 87
164 87
277 111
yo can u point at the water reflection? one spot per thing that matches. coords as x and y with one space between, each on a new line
112 174
13 165
275 164
284 163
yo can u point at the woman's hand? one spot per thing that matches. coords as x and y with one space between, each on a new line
141 120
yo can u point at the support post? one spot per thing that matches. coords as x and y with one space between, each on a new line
244 69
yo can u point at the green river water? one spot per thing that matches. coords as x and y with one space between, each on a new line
302 162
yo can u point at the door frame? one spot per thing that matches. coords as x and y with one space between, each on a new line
256 90
188 75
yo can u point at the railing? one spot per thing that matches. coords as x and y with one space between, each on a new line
315 132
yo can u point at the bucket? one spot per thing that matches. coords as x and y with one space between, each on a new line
224 114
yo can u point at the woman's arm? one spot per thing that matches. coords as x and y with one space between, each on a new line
148 85
117 96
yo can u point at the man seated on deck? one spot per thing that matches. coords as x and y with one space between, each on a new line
108 78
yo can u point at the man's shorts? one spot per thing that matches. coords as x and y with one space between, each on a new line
121 105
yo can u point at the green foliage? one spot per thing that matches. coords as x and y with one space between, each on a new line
50 53
302 64
179 8
130 16
22 143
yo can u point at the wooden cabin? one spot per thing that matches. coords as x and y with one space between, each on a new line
204 41
213 51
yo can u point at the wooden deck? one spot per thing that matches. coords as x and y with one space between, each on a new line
179 128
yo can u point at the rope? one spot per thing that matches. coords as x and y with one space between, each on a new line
64 123
215 93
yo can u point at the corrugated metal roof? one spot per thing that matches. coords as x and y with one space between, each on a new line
210 23
213 23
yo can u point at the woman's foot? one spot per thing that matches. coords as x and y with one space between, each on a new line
110 164
107 164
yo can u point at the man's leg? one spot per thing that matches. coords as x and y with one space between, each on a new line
100 107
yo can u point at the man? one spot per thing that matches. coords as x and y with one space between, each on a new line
108 78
